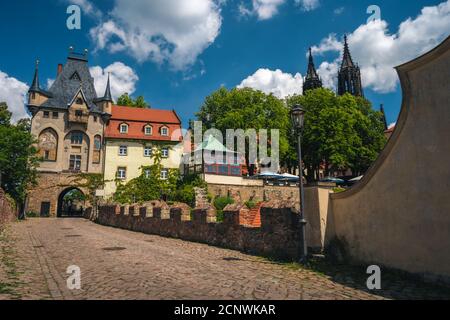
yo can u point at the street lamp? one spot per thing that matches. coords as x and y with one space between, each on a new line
298 121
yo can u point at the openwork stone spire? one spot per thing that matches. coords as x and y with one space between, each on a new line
349 77
312 79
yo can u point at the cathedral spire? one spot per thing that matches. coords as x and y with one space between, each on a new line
349 77
312 79
35 85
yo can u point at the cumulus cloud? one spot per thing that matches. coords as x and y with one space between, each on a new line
162 31
123 79
308 5
277 82
378 52
14 93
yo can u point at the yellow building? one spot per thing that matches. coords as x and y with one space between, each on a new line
132 137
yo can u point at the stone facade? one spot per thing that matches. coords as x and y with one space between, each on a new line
7 210
277 237
68 122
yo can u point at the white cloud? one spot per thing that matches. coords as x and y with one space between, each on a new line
277 82
263 9
14 93
378 52
308 5
170 31
328 73
123 79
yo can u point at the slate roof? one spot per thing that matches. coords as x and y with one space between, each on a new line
64 88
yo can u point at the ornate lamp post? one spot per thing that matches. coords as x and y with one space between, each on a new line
298 120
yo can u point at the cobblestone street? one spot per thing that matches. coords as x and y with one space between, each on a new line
118 264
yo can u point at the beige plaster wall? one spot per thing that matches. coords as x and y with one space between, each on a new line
399 215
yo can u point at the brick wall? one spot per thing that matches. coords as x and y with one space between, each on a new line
276 237
7 210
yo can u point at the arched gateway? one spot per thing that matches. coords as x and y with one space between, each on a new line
71 203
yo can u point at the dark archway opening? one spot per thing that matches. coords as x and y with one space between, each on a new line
71 203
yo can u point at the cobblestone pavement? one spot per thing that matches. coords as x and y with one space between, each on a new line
118 264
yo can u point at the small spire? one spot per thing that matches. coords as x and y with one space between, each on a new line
108 96
347 61
35 85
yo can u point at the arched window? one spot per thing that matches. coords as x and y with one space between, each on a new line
97 149
48 145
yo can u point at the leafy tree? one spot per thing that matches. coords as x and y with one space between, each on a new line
5 115
18 157
340 132
246 109
148 187
127 101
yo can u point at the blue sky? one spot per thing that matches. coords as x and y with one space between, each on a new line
175 53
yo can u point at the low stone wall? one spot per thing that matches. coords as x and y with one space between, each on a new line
278 236
7 210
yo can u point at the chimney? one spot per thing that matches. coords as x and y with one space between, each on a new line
60 68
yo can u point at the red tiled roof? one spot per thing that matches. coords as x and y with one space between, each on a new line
137 119
146 115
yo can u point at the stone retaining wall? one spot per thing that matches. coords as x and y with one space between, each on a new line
277 237
7 210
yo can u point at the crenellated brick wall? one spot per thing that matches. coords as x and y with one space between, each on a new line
7 210
276 237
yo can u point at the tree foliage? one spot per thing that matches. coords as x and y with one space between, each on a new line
246 109
340 132
18 156
148 187
127 101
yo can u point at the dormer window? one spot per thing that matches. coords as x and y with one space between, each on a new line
165 131
124 128
148 130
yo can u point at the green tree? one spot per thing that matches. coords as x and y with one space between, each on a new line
18 157
149 185
246 109
126 101
340 132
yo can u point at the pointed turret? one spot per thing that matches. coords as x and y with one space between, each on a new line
35 85
312 79
108 96
349 77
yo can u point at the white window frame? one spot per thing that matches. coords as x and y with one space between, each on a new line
124 125
164 174
163 151
167 131
146 153
123 148
148 173
122 173
148 133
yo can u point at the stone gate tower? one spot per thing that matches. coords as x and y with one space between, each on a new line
68 121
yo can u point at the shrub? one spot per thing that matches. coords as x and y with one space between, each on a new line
221 202
32 214
250 204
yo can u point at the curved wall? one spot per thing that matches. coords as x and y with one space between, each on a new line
399 214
